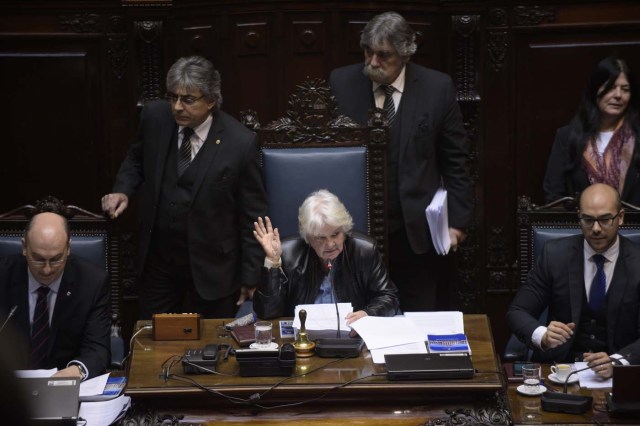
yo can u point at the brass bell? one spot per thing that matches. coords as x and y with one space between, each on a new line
303 346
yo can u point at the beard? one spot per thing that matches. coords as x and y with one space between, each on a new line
375 74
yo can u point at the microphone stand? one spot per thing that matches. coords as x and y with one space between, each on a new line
334 296
11 314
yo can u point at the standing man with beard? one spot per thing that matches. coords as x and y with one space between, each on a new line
202 192
427 147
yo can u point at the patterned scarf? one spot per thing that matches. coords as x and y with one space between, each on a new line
611 166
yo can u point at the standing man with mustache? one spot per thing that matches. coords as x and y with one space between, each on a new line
427 146
202 191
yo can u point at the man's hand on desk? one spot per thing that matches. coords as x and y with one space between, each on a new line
603 366
558 333
353 317
71 371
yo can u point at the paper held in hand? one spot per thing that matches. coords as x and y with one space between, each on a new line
438 218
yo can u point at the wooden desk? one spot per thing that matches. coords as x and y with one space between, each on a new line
527 410
373 396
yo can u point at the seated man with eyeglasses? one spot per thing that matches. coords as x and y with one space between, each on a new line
591 284
57 302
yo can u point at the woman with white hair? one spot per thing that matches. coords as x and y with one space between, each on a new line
328 263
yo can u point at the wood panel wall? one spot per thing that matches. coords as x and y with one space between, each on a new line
73 75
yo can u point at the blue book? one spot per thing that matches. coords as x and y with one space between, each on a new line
448 343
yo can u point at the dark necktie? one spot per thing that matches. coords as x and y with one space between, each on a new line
598 285
40 329
389 106
184 153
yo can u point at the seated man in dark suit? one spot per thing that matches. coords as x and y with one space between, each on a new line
591 284
62 301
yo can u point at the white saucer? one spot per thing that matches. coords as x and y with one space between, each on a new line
522 390
271 347
573 379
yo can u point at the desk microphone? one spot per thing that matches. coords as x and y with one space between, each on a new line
335 301
11 314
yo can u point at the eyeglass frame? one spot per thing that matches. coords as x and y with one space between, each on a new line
187 100
43 263
598 219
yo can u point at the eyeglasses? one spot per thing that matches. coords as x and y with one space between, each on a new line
185 99
604 221
53 263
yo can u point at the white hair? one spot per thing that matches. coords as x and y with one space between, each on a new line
319 209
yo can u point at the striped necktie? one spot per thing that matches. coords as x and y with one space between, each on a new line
40 329
598 285
389 106
184 153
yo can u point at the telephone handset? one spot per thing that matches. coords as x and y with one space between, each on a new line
203 361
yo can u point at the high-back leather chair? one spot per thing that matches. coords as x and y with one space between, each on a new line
314 148
91 239
539 224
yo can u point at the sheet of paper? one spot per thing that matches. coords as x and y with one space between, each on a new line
104 413
323 316
442 322
590 380
382 332
36 373
377 355
94 386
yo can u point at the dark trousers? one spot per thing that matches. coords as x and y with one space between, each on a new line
421 279
166 286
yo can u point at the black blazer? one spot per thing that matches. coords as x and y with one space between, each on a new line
432 143
561 179
557 281
360 278
81 322
228 196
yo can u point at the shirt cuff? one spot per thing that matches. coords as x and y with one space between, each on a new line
620 359
536 337
269 264
83 367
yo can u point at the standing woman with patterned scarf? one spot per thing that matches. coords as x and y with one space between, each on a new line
601 143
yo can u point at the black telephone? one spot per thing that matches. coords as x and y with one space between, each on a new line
203 361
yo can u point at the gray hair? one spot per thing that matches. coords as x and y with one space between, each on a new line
319 209
391 27
195 72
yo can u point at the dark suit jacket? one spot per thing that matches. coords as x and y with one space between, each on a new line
228 196
81 322
432 143
562 180
557 281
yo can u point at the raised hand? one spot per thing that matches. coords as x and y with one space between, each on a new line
269 238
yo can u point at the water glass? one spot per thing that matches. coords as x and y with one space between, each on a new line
263 334
531 373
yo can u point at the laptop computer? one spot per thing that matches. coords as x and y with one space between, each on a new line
624 399
429 366
53 401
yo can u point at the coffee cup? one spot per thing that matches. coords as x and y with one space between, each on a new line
561 371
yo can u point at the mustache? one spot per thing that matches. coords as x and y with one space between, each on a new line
373 73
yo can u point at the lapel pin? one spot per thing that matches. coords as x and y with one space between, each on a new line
217 141
68 293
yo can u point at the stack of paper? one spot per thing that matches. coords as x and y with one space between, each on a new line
104 413
405 335
438 218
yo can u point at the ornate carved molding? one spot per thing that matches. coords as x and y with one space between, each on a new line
489 412
498 17
149 36
81 23
118 55
147 3
497 43
533 15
